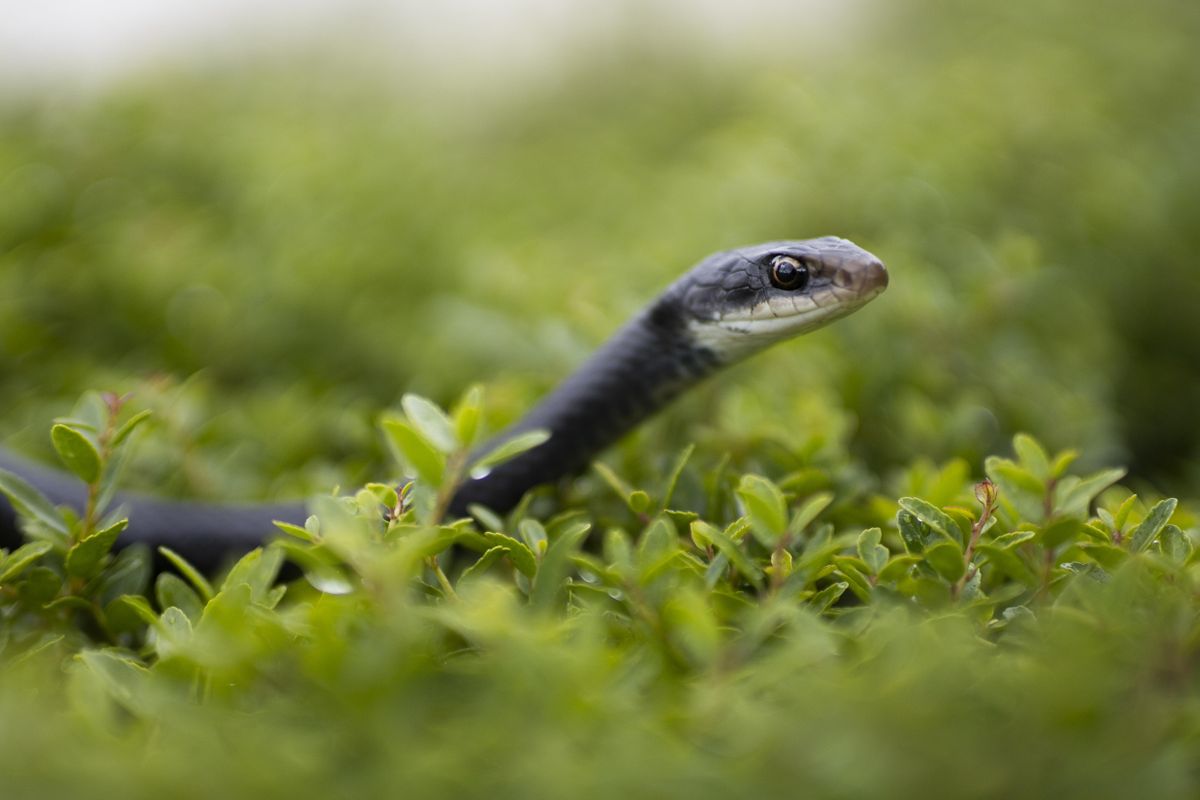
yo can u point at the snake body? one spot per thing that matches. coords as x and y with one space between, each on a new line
727 307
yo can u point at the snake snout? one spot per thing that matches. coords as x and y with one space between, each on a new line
875 276
865 275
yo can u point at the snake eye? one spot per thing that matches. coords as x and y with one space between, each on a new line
788 273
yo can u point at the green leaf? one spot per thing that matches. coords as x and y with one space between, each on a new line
1073 497
303 534
85 557
946 558
1141 536
121 620
18 560
897 567
822 600
431 422
139 606
486 518
415 452
227 612
1008 563
1122 514
1012 539
1175 544
484 563
873 554
129 427
1014 478
549 584
692 626
467 416
617 550
39 585
171 591
508 450
765 507
731 552
854 561
1032 456
29 502
129 573
109 479
931 592
194 575
668 490
1095 532
91 412
274 596
847 569
534 535
613 480
123 677
781 563
1093 571
257 569
174 630
1019 486
657 540
938 520
71 601
518 552
915 533
374 495
77 452
1059 531
808 512
1107 555
1064 460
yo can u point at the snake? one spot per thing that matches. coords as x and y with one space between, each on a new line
724 309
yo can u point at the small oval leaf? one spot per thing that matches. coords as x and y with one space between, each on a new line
77 452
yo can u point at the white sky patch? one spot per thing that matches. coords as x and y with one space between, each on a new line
90 42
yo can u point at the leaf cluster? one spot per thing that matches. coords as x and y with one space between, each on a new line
693 638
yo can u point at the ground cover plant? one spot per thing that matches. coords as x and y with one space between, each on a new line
902 557
732 634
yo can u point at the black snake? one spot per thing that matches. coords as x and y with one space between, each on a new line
729 306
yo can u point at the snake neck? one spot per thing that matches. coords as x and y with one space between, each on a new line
643 367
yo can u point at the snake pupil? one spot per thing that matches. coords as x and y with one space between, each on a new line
788 273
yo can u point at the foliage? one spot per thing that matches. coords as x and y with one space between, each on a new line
760 640
833 572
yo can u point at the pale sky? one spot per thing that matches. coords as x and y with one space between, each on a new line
89 42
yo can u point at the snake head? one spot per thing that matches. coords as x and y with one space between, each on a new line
740 301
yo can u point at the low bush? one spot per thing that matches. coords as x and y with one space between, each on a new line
1030 633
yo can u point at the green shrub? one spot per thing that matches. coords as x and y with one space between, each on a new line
1030 634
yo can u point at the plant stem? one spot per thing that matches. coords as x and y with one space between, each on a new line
987 494
443 581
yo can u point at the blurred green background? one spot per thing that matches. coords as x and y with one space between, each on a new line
270 250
